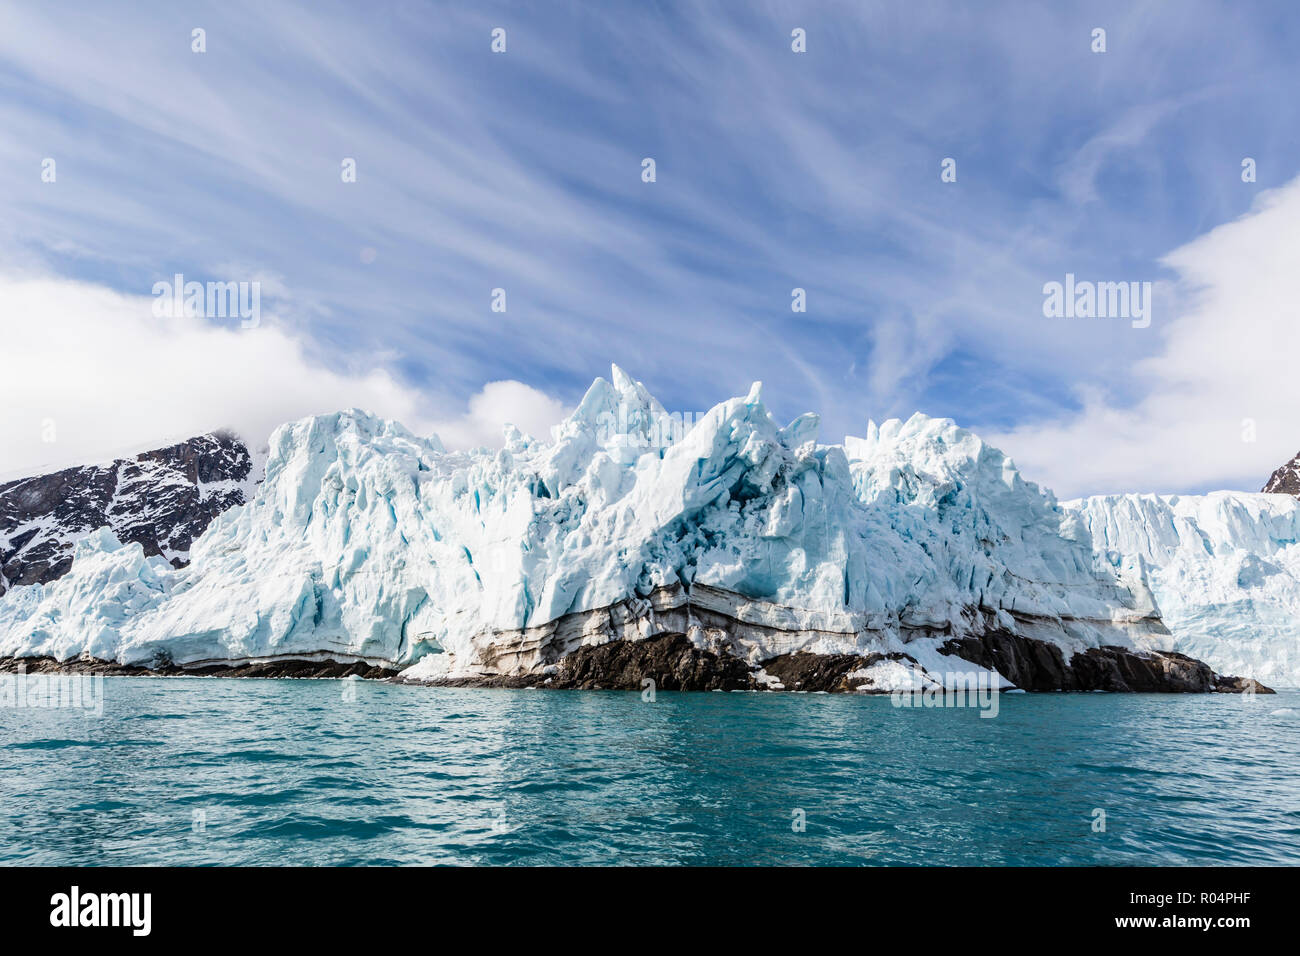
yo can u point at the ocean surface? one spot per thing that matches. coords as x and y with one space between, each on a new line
213 771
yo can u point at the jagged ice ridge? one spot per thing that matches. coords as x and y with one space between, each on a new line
367 542
1224 569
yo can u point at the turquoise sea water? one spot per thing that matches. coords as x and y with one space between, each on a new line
195 771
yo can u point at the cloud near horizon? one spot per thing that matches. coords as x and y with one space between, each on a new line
92 374
1220 406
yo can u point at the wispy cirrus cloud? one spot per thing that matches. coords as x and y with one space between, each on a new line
775 170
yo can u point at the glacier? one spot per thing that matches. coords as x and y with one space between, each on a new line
366 542
1224 570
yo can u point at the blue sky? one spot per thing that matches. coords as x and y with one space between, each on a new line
775 170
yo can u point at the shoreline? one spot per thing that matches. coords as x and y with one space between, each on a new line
672 662
286 668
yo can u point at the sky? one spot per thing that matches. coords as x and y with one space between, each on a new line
522 171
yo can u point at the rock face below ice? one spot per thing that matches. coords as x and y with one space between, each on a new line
751 540
1224 569
161 499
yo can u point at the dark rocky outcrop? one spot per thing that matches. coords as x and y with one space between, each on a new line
1027 663
1286 480
162 499
670 660
829 673
1037 665
674 663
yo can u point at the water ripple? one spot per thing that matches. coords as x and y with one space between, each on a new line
288 772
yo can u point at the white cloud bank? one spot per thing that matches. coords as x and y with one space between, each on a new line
531 411
1227 371
98 373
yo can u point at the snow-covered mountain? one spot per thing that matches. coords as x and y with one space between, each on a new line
1286 480
161 499
1224 569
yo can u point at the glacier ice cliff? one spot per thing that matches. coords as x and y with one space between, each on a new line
365 542
1224 570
